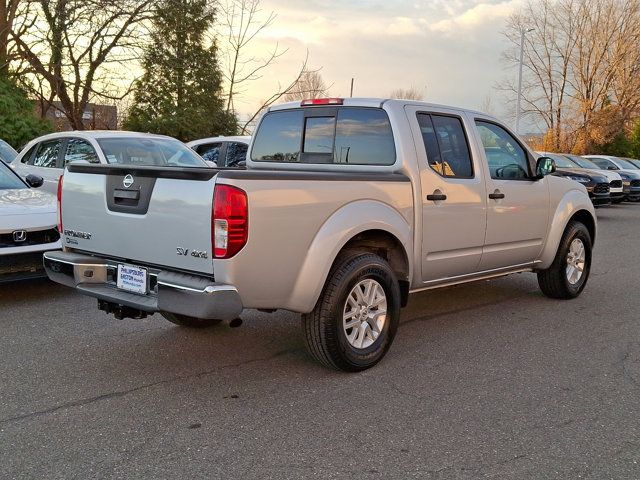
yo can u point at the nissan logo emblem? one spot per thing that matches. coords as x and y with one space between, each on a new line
19 236
127 181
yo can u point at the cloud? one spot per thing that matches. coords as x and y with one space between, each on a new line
480 15
448 48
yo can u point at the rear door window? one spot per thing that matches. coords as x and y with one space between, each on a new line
236 154
210 151
347 135
47 154
446 145
78 149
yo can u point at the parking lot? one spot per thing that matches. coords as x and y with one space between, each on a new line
484 380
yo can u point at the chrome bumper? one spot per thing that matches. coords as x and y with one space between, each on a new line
173 292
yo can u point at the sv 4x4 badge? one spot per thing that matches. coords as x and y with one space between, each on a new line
194 253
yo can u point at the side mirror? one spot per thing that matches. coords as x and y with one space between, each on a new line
545 166
611 167
34 181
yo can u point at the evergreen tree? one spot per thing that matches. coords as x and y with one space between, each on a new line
18 120
180 93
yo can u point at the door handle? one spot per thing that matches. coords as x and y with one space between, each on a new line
435 197
496 195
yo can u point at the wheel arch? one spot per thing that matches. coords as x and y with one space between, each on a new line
380 229
573 207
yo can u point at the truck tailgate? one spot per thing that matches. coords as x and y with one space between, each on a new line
145 215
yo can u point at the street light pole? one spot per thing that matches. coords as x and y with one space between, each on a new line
523 32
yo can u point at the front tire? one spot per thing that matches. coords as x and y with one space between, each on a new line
190 322
568 274
356 317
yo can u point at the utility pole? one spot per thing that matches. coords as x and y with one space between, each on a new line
351 94
523 32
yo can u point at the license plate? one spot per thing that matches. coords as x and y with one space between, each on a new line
132 279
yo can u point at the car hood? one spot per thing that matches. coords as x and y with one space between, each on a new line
594 175
632 174
609 174
26 201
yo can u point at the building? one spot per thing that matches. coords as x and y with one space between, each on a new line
94 117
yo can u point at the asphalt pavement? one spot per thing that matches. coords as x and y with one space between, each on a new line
484 380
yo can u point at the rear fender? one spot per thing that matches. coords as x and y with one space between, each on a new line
571 203
342 226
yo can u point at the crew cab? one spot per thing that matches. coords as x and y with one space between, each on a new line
345 208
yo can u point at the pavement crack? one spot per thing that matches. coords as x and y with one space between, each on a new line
623 364
121 393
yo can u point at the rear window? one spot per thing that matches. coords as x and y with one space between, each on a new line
349 135
163 152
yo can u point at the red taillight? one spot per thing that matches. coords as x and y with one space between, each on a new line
60 204
321 101
230 221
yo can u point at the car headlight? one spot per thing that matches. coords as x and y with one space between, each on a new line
580 179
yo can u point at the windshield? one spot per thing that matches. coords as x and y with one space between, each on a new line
626 164
634 161
8 179
584 163
7 153
149 151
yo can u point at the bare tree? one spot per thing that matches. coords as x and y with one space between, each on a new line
277 95
548 51
411 93
309 85
487 105
241 22
14 23
581 65
80 54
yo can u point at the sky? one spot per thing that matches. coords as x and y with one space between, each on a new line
449 50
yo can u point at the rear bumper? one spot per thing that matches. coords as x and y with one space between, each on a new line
169 291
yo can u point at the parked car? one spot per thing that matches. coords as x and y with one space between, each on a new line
627 170
222 151
597 184
618 191
346 207
27 225
7 152
46 156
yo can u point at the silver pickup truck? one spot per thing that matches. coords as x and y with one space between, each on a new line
345 208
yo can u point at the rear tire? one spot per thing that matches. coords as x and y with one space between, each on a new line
190 322
569 272
355 320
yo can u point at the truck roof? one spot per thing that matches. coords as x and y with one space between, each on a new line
374 102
